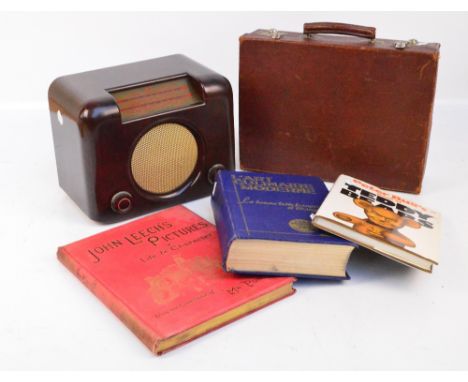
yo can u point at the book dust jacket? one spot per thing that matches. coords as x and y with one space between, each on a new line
382 221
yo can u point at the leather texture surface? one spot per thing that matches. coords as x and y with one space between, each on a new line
326 105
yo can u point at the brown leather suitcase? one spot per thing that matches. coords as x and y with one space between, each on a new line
335 100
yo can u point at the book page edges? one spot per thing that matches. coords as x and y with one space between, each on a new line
224 318
296 263
156 343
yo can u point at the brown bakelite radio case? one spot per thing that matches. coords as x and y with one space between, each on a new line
141 136
334 99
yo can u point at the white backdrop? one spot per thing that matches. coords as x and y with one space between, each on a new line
387 316
37 48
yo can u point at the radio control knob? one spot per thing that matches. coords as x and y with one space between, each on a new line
212 172
122 202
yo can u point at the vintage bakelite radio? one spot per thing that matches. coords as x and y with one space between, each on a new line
141 136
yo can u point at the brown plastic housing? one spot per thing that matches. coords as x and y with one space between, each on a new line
326 104
93 146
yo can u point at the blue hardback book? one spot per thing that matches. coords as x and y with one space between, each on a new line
264 226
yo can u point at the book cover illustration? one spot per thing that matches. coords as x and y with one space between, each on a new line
381 221
274 207
162 276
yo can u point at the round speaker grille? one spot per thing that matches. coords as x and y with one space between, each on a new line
164 158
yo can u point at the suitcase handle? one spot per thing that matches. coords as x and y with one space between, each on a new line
340 28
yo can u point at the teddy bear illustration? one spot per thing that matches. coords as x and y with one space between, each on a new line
380 223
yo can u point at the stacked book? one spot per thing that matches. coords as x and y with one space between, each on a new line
173 276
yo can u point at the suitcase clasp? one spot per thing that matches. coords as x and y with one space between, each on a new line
405 44
273 33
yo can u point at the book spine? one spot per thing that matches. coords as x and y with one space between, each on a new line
223 218
146 335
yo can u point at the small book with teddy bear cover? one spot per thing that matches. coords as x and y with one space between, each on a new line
381 221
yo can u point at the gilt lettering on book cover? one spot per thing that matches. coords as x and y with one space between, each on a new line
162 276
273 206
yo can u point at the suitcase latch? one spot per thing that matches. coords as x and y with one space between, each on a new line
273 33
405 44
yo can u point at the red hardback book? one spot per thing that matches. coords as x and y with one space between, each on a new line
162 276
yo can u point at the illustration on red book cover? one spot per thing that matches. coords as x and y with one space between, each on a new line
162 276
180 278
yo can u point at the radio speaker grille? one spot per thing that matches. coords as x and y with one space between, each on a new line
164 158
